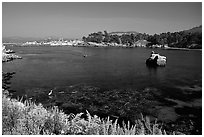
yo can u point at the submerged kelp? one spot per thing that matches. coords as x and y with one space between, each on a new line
118 103
6 79
121 104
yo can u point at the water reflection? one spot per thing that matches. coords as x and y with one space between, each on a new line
152 69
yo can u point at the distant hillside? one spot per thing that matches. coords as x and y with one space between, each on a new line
123 32
195 30
16 39
192 30
191 38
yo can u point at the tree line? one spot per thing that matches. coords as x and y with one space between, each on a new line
182 39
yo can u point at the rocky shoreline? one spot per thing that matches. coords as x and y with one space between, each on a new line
8 55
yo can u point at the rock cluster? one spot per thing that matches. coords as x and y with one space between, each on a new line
8 56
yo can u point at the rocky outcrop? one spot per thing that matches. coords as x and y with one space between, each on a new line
7 55
156 60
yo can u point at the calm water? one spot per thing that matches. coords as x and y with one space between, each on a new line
109 68
180 82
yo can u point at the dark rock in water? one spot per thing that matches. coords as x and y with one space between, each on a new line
157 61
6 79
152 62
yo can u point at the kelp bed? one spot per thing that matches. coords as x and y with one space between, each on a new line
122 104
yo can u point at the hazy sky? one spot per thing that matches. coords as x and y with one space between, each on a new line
74 20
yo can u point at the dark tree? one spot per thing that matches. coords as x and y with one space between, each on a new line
106 37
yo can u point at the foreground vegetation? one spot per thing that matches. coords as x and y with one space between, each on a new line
27 118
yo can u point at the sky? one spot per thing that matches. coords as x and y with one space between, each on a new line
75 20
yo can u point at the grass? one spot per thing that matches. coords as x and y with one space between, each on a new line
27 118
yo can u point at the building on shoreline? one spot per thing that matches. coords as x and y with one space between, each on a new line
81 43
60 42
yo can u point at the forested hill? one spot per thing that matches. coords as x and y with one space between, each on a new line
122 32
191 38
194 30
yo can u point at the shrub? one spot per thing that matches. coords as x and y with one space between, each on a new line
28 118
